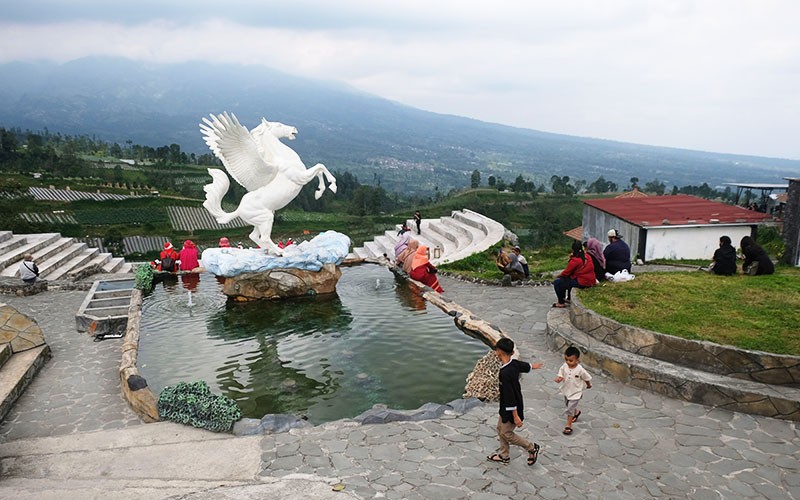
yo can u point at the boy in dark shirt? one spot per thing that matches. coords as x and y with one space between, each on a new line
511 406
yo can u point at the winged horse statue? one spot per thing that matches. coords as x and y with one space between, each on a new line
271 171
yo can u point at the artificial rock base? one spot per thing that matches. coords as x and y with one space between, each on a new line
282 283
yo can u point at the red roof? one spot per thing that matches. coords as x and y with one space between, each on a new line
675 210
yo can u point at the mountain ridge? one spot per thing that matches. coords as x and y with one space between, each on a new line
118 100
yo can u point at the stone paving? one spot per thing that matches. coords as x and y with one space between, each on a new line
628 443
78 389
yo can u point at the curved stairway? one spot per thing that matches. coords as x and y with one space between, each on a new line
57 257
456 236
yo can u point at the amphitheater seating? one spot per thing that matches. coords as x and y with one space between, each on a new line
456 236
57 257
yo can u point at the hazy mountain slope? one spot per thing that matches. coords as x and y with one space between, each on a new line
120 100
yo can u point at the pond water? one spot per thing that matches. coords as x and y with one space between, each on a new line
325 357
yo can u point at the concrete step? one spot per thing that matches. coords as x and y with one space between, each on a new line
114 264
362 253
374 249
33 243
5 236
52 249
99 260
386 244
125 268
675 381
56 261
5 353
80 259
11 243
17 373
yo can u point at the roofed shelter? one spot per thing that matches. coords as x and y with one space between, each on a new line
766 190
669 227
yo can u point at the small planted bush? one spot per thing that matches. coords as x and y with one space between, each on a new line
193 403
144 278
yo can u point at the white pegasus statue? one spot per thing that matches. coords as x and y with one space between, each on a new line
271 171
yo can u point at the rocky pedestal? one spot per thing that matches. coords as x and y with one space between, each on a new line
282 283
18 330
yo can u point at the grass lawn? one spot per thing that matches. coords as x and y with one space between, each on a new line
750 312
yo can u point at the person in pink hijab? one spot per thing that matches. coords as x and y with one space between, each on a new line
407 256
188 256
594 249
423 271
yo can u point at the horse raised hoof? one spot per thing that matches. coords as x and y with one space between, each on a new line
332 187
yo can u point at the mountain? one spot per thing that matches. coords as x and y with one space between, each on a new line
376 139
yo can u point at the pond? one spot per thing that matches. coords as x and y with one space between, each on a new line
326 357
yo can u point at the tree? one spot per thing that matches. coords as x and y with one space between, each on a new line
634 182
475 181
561 185
492 181
519 184
655 186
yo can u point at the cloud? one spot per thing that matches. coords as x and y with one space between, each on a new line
695 74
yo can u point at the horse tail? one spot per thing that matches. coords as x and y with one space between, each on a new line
214 193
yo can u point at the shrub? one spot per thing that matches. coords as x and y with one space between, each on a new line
193 403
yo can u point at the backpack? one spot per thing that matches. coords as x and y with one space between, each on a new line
168 264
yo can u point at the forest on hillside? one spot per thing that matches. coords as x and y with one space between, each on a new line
167 176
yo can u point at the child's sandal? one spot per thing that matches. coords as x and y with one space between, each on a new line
567 431
533 455
575 418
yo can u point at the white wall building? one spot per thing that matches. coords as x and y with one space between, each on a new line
669 227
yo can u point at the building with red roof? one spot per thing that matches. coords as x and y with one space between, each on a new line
669 227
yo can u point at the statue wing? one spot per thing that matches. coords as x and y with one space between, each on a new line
241 154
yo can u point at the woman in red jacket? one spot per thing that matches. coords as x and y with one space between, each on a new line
579 273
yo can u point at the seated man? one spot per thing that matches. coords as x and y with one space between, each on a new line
509 264
617 253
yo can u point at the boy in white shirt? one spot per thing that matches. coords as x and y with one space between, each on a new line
573 376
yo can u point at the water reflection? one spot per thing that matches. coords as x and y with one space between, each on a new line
327 357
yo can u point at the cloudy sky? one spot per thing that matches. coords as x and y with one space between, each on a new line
715 75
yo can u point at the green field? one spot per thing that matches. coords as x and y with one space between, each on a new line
750 312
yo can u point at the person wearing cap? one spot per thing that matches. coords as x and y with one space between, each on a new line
224 242
169 258
617 253
522 261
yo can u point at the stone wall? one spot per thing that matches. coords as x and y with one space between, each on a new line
707 356
791 224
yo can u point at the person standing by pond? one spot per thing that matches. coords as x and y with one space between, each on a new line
418 221
511 404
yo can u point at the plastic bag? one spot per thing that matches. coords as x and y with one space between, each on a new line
620 276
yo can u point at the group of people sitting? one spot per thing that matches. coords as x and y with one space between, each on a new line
413 258
170 261
589 264
756 261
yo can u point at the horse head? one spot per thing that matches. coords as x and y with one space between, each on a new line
280 130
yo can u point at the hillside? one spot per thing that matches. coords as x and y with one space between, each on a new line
378 140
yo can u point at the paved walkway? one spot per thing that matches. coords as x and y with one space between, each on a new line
78 389
628 444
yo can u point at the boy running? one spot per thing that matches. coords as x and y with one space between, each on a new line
573 376
511 407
